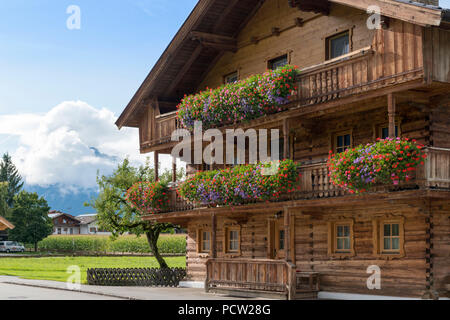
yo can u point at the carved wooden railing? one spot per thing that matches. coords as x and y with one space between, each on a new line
272 276
315 182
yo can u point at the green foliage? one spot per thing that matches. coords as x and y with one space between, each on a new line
116 215
56 268
30 218
5 211
99 244
9 174
387 161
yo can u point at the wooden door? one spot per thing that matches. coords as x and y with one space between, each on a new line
276 239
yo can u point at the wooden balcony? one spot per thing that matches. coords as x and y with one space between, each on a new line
315 182
387 63
270 278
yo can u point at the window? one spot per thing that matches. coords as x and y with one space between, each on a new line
232 240
342 243
232 77
206 241
71 231
384 131
389 237
93 230
343 142
340 238
338 45
59 230
278 62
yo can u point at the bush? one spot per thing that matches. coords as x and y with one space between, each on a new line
103 244
248 99
239 184
387 161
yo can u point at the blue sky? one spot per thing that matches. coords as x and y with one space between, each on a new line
43 63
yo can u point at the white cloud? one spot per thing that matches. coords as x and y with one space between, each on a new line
57 147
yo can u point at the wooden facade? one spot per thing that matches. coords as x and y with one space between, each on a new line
394 79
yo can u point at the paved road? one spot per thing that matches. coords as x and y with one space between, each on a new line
13 287
18 292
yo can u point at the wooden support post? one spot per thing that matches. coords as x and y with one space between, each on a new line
174 170
287 233
286 139
156 161
214 236
391 114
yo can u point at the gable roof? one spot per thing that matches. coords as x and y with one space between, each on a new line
5 224
55 214
211 28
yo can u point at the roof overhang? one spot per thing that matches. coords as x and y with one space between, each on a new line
5 224
211 29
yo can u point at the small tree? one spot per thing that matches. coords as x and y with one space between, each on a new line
5 211
117 216
30 218
9 174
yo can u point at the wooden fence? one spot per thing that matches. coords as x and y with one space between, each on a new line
136 277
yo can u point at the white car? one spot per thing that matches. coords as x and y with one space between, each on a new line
11 246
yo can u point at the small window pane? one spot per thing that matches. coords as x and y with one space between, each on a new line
340 244
346 231
395 230
387 243
278 62
395 243
347 243
231 78
387 230
340 141
347 140
339 45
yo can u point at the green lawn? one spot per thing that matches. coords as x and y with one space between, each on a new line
55 268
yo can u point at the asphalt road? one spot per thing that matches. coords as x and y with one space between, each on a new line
18 292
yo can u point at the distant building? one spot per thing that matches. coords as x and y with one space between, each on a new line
66 224
88 225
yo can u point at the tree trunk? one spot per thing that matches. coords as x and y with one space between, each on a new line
35 247
152 238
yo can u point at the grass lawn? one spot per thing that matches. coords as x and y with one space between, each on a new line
55 268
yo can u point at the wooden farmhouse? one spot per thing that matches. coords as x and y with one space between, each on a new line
356 83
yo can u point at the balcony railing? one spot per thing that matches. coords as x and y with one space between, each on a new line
271 276
315 182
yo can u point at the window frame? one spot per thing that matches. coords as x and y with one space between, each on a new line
226 244
337 35
271 61
336 135
200 241
380 127
378 237
225 77
333 251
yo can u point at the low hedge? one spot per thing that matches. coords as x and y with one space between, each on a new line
103 244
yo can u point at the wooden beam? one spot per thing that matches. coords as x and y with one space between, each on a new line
174 170
223 46
197 35
391 114
423 16
214 235
286 130
156 161
185 68
288 235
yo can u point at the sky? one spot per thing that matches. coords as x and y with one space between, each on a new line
62 89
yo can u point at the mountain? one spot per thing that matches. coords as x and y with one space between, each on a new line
71 202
